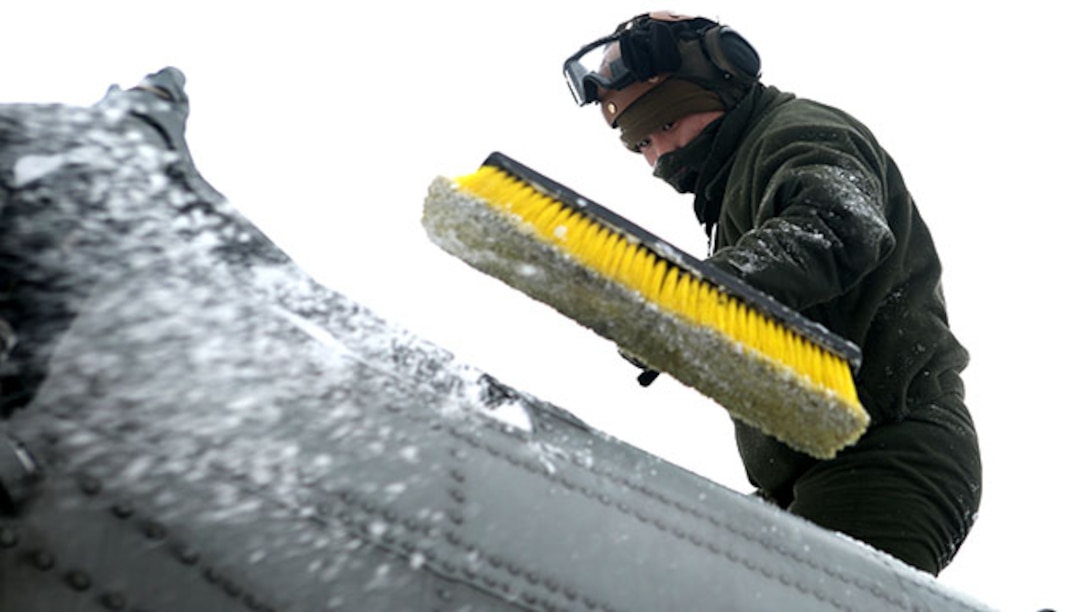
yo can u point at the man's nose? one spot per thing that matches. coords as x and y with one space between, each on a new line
659 145
650 154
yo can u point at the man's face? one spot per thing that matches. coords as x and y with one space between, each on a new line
672 136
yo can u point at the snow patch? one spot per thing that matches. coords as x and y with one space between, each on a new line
30 168
512 414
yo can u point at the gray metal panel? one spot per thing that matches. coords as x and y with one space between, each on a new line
213 430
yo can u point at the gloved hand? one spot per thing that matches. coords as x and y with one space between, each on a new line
648 374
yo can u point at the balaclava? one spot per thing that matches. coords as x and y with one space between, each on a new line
689 65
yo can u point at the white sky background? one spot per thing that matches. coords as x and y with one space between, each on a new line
325 125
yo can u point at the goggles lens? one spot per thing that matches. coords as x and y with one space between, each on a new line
596 66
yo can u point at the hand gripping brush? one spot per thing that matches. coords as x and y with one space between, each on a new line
766 364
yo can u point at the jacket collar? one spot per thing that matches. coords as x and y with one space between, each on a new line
715 171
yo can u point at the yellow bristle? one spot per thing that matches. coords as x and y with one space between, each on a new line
623 266
684 294
612 258
659 281
595 240
569 231
641 270
627 253
581 232
528 207
624 271
614 254
656 279
708 304
544 217
667 297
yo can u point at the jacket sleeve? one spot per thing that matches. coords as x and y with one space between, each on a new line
814 222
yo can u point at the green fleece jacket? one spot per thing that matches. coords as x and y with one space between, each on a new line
802 202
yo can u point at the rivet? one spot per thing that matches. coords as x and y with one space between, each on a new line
42 560
113 601
212 576
122 510
231 588
611 108
186 554
78 580
154 531
8 538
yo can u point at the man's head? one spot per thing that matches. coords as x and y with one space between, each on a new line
661 78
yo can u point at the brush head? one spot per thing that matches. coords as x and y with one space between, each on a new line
764 363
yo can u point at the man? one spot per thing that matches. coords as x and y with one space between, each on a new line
799 200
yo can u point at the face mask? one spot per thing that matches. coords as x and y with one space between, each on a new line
671 169
680 168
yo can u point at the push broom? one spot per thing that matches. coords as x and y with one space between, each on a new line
766 364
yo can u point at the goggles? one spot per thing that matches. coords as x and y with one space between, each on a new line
599 65
594 67
710 54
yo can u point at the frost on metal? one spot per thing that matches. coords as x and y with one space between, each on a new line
769 397
189 422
